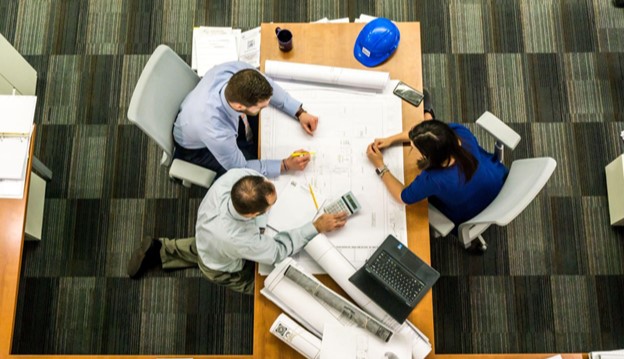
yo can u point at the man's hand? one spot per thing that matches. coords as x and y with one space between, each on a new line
329 222
308 122
296 163
374 155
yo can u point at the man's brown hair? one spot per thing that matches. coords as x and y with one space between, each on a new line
248 87
249 194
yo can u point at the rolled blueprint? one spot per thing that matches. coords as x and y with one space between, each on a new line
340 269
312 312
340 76
329 297
291 333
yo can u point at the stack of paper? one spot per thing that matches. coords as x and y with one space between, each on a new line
16 124
215 45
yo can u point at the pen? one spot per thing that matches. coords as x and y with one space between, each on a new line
313 197
300 154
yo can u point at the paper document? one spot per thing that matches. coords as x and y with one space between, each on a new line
352 342
294 207
17 115
16 124
215 45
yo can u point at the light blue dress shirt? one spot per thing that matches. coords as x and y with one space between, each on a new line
206 120
225 239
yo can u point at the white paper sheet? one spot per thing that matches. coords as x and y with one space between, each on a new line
18 114
294 206
249 47
345 77
352 342
13 156
213 50
348 123
293 334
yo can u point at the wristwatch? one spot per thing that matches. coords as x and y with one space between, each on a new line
300 111
381 171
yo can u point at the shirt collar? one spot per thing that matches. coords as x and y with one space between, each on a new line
234 213
225 105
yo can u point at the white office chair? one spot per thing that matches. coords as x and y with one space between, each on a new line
526 179
163 85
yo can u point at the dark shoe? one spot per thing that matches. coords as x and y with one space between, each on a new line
427 103
149 249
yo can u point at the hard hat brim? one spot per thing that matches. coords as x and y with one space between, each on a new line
366 60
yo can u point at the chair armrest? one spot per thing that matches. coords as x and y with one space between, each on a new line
439 222
191 173
497 128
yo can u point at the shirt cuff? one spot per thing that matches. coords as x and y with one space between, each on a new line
309 231
291 106
273 168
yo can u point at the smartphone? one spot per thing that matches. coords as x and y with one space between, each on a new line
408 93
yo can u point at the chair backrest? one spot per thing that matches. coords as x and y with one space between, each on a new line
163 85
526 179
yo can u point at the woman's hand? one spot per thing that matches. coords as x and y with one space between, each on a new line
382 142
374 155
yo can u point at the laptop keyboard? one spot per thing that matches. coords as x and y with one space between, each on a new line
402 283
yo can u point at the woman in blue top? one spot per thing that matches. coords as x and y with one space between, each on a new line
458 176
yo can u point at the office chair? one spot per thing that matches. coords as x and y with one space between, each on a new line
526 179
162 86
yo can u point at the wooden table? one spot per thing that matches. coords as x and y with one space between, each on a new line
332 45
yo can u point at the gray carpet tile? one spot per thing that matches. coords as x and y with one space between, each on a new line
574 326
551 281
605 248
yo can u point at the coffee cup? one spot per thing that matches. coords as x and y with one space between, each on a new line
284 39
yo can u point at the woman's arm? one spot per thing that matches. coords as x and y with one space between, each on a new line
394 186
385 142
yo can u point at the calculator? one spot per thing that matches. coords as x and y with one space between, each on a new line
346 203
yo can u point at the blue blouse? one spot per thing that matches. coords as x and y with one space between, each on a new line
447 189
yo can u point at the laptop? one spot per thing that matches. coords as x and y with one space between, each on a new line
395 278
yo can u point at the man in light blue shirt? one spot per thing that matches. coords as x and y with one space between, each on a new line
228 235
217 126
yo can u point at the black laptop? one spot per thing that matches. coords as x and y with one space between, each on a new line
395 278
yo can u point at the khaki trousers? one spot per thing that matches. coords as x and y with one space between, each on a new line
182 253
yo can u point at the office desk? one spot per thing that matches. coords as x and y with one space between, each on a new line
332 45
12 225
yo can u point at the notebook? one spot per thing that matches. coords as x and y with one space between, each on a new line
395 278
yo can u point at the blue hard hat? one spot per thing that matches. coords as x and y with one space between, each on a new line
376 42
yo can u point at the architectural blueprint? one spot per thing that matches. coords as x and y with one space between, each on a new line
349 120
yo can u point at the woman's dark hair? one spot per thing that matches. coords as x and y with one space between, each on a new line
249 194
248 87
437 142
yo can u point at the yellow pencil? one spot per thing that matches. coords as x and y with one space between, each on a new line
300 154
313 196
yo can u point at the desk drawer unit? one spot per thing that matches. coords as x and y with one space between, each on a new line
615 190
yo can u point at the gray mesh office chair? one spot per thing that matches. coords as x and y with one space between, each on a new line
163 85
526 179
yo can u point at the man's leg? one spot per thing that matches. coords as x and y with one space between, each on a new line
201 157
178 253
168 253
242 281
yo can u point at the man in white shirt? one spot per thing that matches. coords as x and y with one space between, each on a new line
229 237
